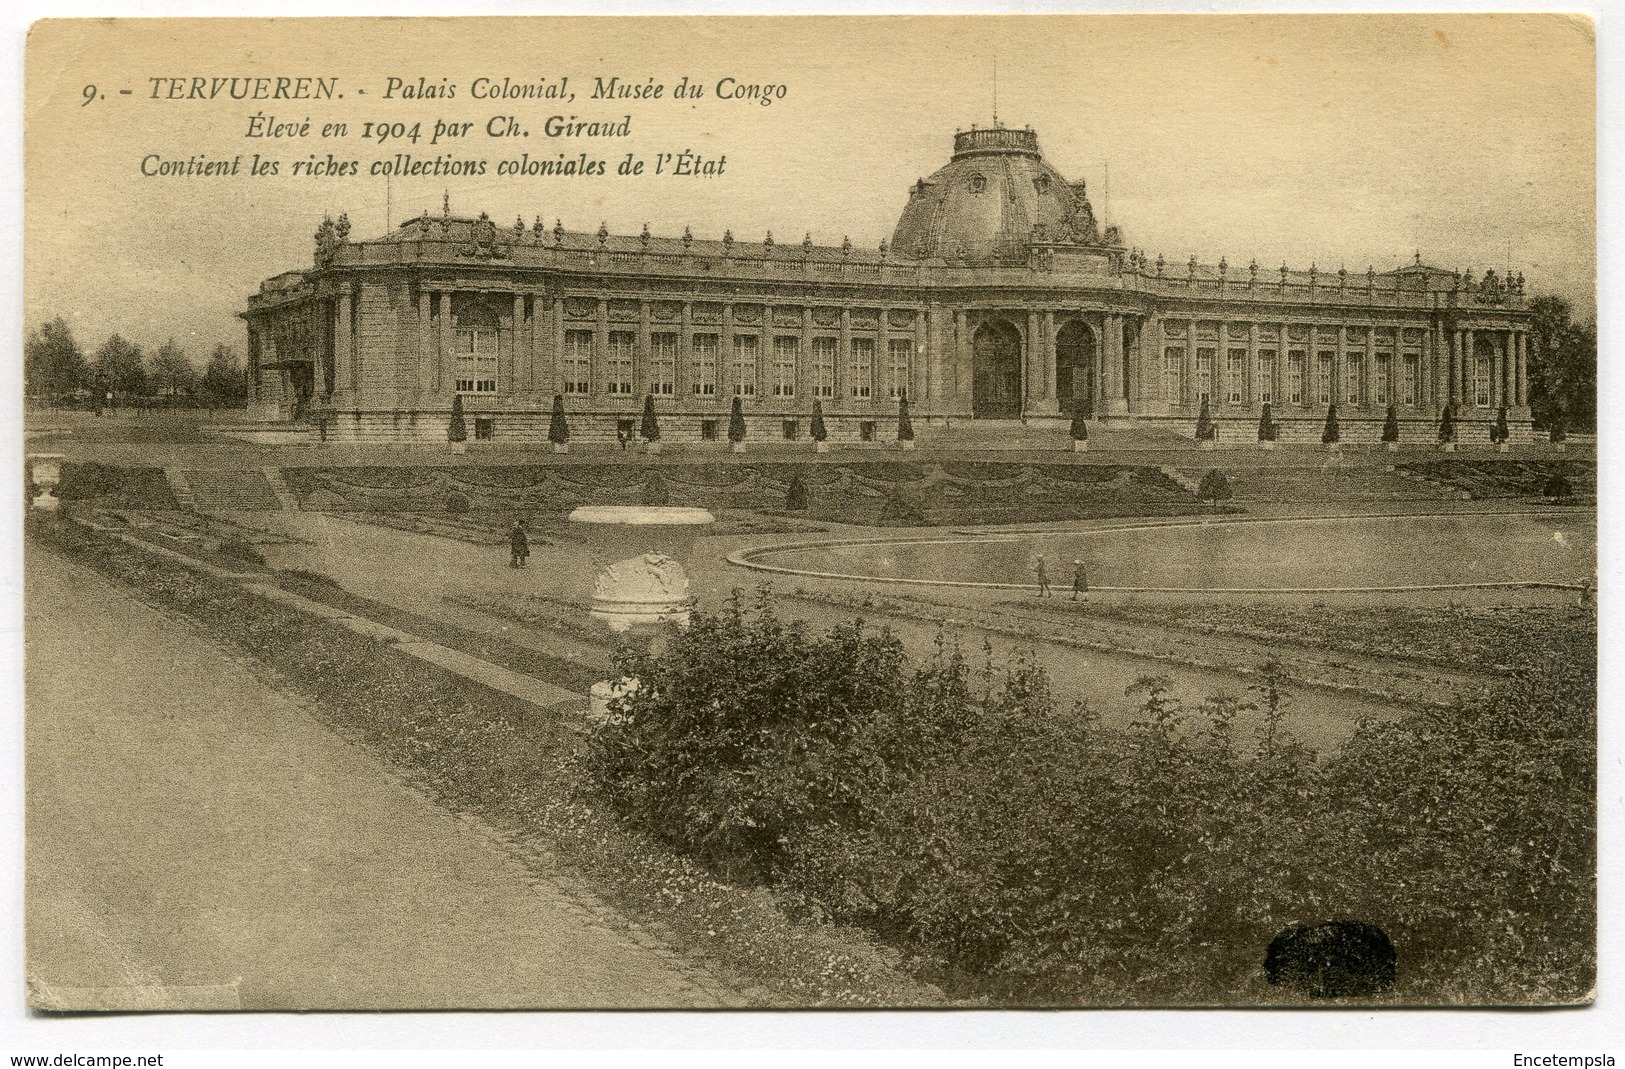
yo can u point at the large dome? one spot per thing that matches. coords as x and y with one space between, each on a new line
995 196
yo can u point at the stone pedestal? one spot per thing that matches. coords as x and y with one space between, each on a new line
639 552
45 472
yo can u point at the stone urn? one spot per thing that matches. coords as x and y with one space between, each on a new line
1266 444
820 446
736 447
46 473
1392 447
905 444
560 447
651 447
639 553
1080 445
1447 447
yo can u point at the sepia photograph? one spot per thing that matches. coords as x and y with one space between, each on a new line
838 512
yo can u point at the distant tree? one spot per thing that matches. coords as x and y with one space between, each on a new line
1266 424
1330 434
458 431
795 495
223 379
558 430
819 432
651 426
52 361
1447 425
1079 431
1390 425
905 427
1562 364
170 371
1214 486
1206 431
736 422
121 365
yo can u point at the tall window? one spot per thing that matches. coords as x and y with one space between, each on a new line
1173 369
618 361
705 364
897 354
861 369
578 361
823 369
1323 377
785 351
1481 382
1292 389
1354 379
476 360
1380 370
1408 377
744 368
662 364
1235 375
1204 373
1266 376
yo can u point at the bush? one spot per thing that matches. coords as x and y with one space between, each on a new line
905 427
1390 425
1080 426
819 432
1557 486
650 428
558 430
795 495
1206 431
458 431
736 421
1499 431
901 510
457 503
1213 487
655 492
1266 424
1329 433
1447 425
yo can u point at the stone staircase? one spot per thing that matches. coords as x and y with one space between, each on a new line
226 490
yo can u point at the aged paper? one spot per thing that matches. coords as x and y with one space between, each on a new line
461 451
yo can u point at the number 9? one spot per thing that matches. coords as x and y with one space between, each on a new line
89 95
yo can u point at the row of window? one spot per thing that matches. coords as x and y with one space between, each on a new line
485 429
779 377
1390 383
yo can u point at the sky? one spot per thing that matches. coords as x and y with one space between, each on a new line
1340 140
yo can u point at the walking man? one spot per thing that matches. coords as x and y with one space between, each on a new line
519 544
1080 582
1043 578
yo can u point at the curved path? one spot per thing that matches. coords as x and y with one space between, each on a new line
197 841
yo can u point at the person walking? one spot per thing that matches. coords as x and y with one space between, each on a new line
1043 578
1080 582
520 545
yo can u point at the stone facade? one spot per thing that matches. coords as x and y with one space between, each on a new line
999 297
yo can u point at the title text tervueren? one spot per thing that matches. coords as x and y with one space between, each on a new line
199 88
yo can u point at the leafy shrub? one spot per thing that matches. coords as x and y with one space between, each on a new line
650 427
1214 486
457 503
655 492
1447 425
795 495
558 430
901 510
1206 429
1390 425
736 421
458 430
819 432
1266 424
905 426
1330 433
1557 486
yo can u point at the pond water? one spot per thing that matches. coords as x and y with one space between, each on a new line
1352 552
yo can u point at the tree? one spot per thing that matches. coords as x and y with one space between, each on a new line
1214 487
458 431
1329 434
558 431
1390 425
1500 432
53 363
1562 364
170 370
1080 426
223 378
795 495
1266 424
819 432
736 422
905 428
1447 425
1205 429
651 426
121 366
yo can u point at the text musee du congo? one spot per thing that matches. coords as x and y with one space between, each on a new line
446 132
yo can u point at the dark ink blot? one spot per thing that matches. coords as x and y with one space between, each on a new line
1337 959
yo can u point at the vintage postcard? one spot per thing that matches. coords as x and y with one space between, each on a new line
722 512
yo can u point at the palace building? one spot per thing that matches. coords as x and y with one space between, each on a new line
997 298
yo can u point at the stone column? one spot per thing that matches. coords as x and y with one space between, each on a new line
345 376
1453 392
1250 392
919 359
686 378
642 355
964 366
509 384
1340 366
1497 375
883 355
557 307
804 359
843 357
1469 370
1523 369
1117 401
1368 367
1426 393
1047 364
600 349
725 357
1189 395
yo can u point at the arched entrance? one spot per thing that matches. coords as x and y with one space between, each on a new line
1075 370
996 371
